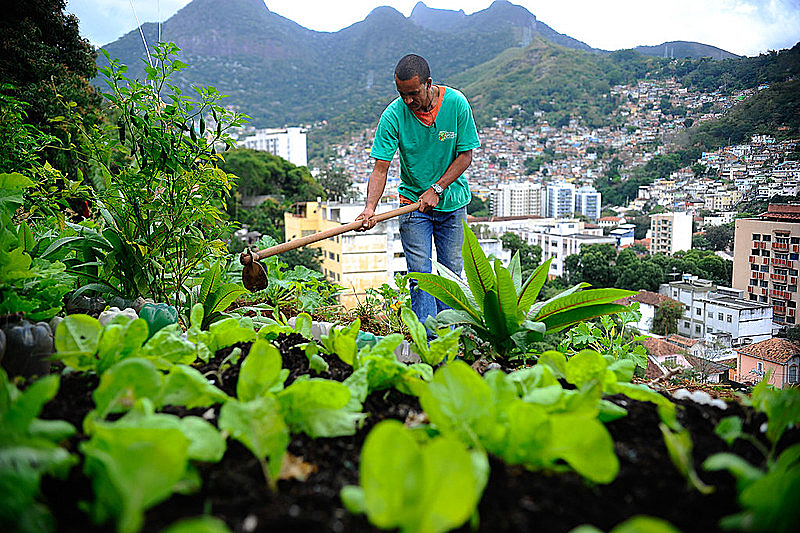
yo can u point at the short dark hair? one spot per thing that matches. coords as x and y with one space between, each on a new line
412 65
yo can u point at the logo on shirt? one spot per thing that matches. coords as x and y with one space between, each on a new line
444 135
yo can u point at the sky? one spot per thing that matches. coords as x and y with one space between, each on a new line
744 27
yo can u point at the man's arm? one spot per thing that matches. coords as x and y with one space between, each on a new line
430 199
375 187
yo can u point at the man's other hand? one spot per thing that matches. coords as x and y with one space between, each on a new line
366 217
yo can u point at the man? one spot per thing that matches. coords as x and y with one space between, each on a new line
432 127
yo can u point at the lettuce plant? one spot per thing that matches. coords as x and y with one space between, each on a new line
501 309
29 449
768 495
416 484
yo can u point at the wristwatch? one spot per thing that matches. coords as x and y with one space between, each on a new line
437 189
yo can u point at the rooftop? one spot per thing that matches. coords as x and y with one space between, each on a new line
776 350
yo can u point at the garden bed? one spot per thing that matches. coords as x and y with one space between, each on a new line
515 499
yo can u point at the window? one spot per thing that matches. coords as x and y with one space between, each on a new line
686 325
753 282
698 311
756 236
792 304
719 316
698 329
753 297
330 256
764 268
760 366
762 299
671 360
764 283
793 257
793 374
790 319
792 288
730 318
765 253
753 266
767 238
755 251
795 240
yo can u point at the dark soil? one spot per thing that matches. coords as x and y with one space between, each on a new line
515 499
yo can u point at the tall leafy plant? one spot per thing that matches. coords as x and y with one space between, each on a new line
501 309
164 192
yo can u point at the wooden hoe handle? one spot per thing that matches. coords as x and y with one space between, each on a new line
245 257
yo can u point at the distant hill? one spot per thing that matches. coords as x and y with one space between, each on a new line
685 49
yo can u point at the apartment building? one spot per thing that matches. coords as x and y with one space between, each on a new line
517 199
560 199
588 202
722 316
766 254
288 143
562 238
670 232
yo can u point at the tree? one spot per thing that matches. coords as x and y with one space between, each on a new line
529 255
666 318
478 207
594 265
337 183
719 237
263 173
48 64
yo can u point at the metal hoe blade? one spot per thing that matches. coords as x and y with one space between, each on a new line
254 276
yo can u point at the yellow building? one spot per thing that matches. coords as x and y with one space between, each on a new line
354 260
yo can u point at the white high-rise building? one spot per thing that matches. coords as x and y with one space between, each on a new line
288 143
587 202
670 232
517 199
560 199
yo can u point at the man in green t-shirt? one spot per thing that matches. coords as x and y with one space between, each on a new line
433 129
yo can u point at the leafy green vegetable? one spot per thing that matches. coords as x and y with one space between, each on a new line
320 408
186 386
427 487
201 524
637 524
125 383
29 449
259 425
260 372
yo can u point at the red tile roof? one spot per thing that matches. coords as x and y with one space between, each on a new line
681 340
661 347
776 350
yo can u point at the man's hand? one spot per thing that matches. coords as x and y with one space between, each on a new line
366 216
428 201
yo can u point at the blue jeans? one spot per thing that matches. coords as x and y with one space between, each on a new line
417 232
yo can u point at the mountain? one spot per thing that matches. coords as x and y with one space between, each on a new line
279 72
685 49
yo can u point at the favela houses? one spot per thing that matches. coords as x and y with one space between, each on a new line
351 267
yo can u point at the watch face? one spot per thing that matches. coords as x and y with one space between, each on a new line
437 188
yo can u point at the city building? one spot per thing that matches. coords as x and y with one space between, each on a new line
766 253
778 358
720 315
562 238
288 143
517 199
560 199
670 232
587 202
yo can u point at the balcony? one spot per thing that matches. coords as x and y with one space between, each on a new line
778 277
792 280
780 246
786 295
778 310
782 262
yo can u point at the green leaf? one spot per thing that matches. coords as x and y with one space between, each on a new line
558 321
259 425
585 444
729 429
419 335
76 341
580 299
515 269
586 366
223 297
317 407
477 269
200 524
21 410
507 297
260 372
532 287
124 383
133 469
211 282
186 386
495 320
679 446
449 292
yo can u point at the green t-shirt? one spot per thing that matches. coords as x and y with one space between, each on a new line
427 151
